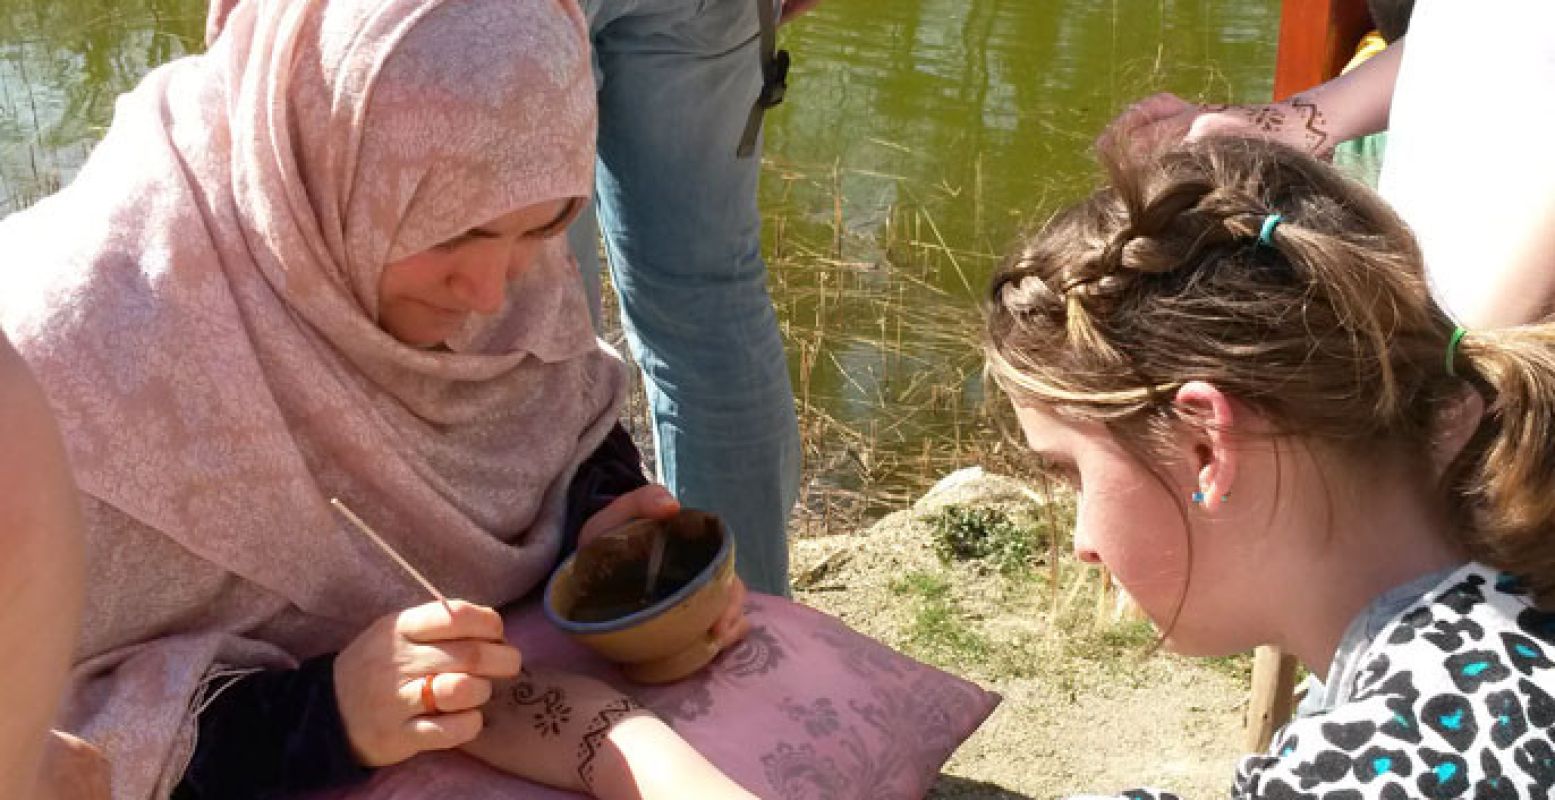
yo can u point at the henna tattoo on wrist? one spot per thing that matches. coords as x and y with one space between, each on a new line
594 736
1314 124
1299 115
553 711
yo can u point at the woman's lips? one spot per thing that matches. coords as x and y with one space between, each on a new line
447 313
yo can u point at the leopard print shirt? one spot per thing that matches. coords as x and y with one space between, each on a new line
1453 699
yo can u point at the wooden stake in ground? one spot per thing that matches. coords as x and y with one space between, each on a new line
1274 696
398 559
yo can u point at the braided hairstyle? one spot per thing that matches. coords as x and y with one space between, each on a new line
1328 331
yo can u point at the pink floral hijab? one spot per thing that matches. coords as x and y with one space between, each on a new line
200 305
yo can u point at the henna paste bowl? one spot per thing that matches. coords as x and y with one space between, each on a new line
599 595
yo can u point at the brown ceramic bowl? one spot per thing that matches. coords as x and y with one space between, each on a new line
601 598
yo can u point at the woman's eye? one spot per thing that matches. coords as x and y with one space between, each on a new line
548 232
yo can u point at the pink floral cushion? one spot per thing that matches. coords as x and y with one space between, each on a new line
803 708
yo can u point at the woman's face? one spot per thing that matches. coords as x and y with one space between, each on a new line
1127 521
426 298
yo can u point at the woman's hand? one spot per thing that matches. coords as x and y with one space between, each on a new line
381 680
577 733
655 502
648 502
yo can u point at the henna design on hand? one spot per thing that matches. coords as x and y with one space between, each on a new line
1314 124
594 736
554 712
1268 119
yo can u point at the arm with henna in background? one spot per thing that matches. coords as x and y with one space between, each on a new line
1488 225
1351 105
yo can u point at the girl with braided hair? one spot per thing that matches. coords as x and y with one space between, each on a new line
1276 436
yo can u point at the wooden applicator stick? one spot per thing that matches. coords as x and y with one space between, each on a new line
398 559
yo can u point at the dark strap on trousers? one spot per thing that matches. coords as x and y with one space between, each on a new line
774 77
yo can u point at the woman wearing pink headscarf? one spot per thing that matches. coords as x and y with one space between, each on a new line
321 260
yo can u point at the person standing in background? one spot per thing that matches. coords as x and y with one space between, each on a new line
682 85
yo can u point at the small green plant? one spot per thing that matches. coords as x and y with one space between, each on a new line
1124 639
963 533
923 584
939 629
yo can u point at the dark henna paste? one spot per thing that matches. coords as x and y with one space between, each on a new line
1268 119
613 580
553 711
1314 124
594 736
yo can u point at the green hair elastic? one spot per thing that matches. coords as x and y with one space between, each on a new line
1452 350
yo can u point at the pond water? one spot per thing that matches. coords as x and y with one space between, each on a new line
918 137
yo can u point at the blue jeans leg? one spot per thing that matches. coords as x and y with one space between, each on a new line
683 238
583 237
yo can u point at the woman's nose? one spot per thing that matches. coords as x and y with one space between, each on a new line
1082 539
482 283
1087 555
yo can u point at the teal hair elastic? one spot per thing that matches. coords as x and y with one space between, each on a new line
1266 234
1452 350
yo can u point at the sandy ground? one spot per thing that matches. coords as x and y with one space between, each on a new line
1086 709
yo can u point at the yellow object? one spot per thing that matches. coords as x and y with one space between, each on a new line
1370 45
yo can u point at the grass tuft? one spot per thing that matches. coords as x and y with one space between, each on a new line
963 533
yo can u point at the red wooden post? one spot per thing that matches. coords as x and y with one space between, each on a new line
1317 38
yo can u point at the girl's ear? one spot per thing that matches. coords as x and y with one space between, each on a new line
1208 441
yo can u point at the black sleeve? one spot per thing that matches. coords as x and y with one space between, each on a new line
614 469
279 732
272 734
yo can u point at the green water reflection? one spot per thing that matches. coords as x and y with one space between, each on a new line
918 137
62 63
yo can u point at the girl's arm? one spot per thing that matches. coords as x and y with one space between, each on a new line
576 733
645 759
1354 104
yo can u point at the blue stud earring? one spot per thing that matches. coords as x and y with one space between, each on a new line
1197 498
